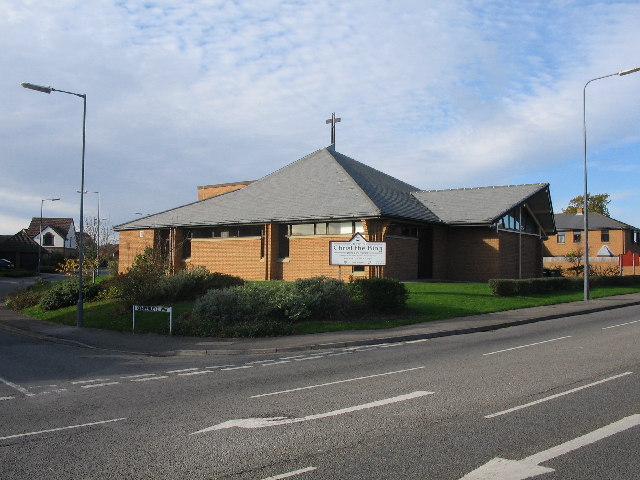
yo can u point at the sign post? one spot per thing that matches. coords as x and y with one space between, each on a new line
357 252
158 308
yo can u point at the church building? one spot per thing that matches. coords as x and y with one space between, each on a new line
280 227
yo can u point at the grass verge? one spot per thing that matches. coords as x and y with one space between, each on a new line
428 301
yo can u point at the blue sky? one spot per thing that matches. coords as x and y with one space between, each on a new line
461 93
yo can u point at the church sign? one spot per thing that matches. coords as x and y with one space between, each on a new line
357 251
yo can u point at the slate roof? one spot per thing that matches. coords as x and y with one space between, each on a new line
60 225
328 185
575 221
20 242
322 185
486 205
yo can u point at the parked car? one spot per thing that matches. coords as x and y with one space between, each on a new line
4 263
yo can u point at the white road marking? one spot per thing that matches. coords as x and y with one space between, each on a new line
146 379
238 368
17 387
557 395
6 398
500 468
292 357
524 346
335 383
199 372
183 370
276 363
273 421
95 385
220 366
80 382
621 324
291 474
61 428
314 357
140 375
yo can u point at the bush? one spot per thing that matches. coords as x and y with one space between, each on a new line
23 298
193 283
317 297
139 285
535 286
380 294
249 310
65 293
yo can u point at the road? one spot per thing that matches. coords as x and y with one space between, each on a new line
554 400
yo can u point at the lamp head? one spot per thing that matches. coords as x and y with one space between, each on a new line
631 70
38 88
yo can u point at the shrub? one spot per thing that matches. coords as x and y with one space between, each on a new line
23 298
191 284
534 286
250 310
140 284
65 293
317 297
380 294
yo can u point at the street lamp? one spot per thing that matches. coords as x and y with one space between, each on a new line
586 194
98 237
40 237
39 88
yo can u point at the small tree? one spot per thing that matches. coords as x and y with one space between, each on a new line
575 259
596 204
140 283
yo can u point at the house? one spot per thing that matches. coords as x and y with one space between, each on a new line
281 226
21 250
58 234
608 238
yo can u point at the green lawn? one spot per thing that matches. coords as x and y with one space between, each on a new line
428 301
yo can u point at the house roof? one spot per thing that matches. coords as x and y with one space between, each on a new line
59 225
575 221
486 205
322 185
20 242
328 185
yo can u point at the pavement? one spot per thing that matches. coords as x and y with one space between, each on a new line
160 345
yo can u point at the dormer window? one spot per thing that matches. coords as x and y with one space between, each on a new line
47 239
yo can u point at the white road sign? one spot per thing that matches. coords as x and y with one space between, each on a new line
357 251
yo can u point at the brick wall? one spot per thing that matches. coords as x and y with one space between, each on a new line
510 257
240 257
402 258
619 242
208 191
309 257
440 252
472 254
132 244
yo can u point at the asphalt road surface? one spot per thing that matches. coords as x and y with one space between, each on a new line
554 400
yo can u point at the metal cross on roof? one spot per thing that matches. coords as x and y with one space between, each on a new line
333 120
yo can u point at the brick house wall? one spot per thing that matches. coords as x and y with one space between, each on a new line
132 243
233 256
402 258
208 191
510 256
440 252
473 254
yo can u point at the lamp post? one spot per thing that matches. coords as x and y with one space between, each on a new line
39 88
40 236
98 237
586 194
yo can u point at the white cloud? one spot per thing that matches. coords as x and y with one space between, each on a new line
440 94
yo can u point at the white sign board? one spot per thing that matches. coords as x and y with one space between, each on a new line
357 251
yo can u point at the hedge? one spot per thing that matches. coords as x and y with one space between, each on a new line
505 287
